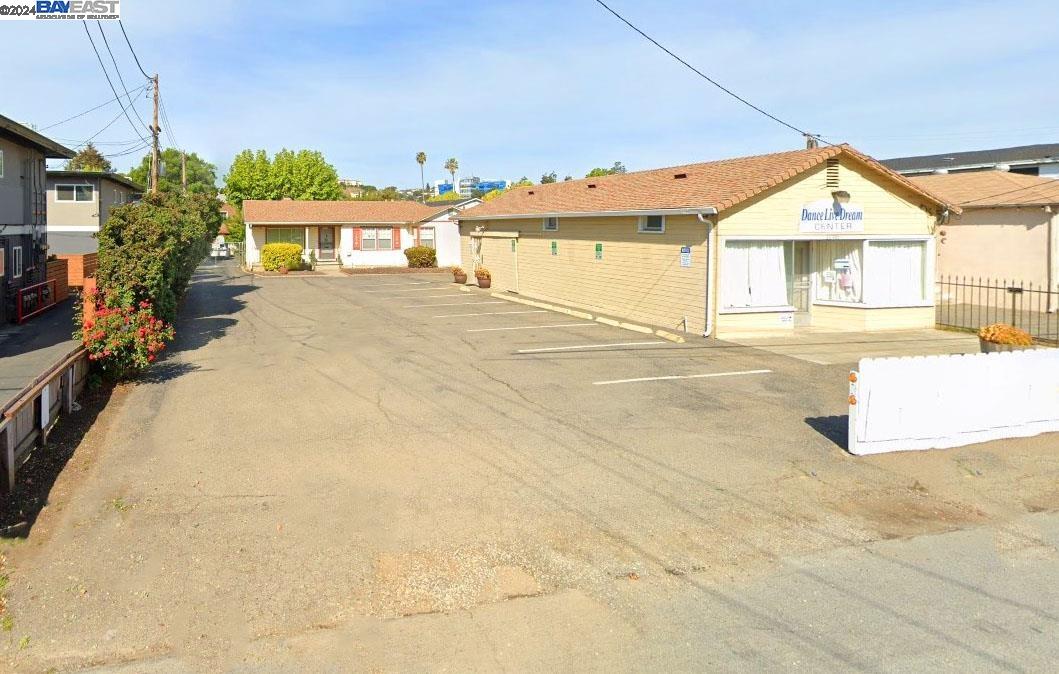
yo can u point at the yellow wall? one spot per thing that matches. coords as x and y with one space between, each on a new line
639 277
837 318
733 324
500 261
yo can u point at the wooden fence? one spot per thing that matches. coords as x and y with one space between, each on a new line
26 421
80 267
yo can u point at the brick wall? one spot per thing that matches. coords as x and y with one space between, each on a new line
58 272
80 268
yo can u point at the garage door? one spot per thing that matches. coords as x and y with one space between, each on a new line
499 256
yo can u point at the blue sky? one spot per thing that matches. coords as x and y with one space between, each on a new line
514 89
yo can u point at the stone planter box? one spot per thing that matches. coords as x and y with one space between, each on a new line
993 347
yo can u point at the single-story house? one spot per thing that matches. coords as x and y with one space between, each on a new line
352 233
79 203
1008 230
824 237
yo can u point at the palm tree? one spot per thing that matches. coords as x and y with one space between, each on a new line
452 166
421 158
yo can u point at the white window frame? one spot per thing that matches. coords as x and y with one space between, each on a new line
553 221
3 262
374 238
641 225
764 309
74 186
865 242
1 162
433 236
16 262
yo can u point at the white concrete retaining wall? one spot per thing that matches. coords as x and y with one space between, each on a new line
929 402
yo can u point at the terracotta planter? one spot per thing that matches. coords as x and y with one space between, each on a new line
459 278
484 282
993 347
283 270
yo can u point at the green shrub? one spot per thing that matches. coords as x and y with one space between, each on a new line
421 257
276 255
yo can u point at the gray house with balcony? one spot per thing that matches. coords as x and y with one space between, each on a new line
23 210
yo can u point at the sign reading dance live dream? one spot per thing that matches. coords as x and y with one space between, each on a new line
826 216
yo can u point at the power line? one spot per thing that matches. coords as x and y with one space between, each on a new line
707 77
141 148
117 70
107 75
109 124
135 58
168 125
82 114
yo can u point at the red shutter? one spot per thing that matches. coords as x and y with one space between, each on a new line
358 235
417 236
397 238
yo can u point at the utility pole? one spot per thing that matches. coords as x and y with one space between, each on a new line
183 171
155 161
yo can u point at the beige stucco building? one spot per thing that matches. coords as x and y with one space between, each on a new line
823 237
79 203
1008 229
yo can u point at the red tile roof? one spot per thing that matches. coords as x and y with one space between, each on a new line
717 184
288 211
987 189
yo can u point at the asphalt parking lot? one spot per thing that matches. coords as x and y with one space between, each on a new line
392 471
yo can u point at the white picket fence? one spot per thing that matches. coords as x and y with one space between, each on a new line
928 402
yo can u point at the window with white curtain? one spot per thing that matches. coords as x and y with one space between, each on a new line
839 270
896 273
756 274
426 237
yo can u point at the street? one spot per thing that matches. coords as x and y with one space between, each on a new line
387 473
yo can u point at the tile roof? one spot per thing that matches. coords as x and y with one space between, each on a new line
1000 155
289 211
717 184
985 189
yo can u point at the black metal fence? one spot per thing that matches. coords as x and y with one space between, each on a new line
970 303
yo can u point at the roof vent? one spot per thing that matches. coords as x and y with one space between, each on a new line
680 176
832 172
592 186
532 192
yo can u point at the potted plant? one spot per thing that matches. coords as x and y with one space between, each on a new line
458 275
483 276
1003 337
283 269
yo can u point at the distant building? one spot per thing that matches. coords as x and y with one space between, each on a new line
79 203
468 186
1033 160
351 186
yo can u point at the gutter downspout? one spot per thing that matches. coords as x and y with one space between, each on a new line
704 218
1053 259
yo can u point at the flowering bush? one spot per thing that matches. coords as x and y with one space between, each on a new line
482 272
1002 333
125 338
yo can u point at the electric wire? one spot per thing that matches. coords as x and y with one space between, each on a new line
117 70
134 56
93 109
109 82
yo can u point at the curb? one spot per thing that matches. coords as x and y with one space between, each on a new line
642 329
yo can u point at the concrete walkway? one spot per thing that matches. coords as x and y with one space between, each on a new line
846 348
27 350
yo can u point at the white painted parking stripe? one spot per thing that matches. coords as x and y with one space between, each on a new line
538 327
681 376
434 297
493 313
406 283
449 304
403 290
588 346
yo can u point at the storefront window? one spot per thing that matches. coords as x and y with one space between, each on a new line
756 274
897 273
839 271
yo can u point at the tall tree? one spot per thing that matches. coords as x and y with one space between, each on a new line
314 179
549 178
89 159
303 175
202 175
613 170
452 166
421 159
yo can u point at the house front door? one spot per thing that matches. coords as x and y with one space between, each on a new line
802 282
327 243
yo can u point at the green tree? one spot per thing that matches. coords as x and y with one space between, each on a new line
451 195
421 159
524 182
549 178
303 175
313 178
452 166
568 178
613 170
89 159
389 193
202 175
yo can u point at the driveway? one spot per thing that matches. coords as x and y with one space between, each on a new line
386 473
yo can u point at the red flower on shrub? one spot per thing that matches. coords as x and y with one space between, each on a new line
124 337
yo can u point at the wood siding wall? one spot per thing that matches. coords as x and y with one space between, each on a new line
80 267
58 272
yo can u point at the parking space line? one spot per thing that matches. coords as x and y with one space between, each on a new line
493 313
406 283
538 327
404 290
680 376
588 346
449 304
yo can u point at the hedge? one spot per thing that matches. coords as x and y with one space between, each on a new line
276 255
420 257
